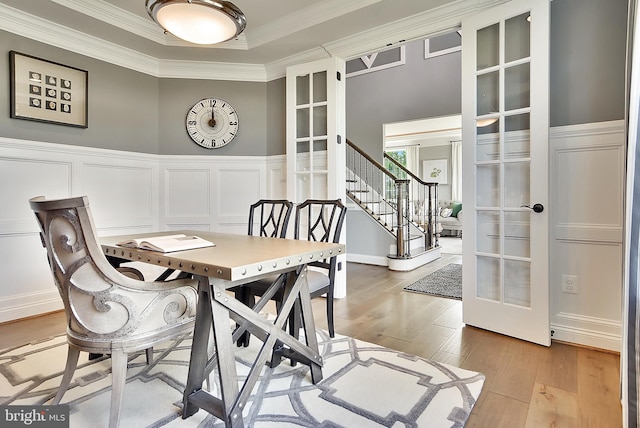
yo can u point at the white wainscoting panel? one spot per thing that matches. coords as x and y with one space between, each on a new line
187 194
239 188
51 178
110 179
214 192
277 176
128 193
211 193
587 188
116 186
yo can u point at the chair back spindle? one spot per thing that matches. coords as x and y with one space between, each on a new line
271 216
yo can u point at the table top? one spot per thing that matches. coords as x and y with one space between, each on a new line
236 258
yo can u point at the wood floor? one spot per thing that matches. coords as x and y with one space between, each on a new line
526 385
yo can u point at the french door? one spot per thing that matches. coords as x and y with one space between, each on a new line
505 93
316 155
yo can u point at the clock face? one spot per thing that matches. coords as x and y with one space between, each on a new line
212 123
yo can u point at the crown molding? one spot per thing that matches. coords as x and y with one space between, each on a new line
117 17
285 25
142 27
424 24
32 27
428 23
308 17
278 69
212 71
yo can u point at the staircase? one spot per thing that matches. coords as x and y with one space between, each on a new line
400 202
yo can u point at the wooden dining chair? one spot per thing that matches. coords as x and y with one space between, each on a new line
268 218
321 221
107 312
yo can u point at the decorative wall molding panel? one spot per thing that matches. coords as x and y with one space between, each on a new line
376 61
169 192
587 233
587 172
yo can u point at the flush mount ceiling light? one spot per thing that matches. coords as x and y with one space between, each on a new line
203 22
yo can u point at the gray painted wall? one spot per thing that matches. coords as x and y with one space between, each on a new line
366 237
587 60
276 118
132 111
123 104
438 152
249 99
418 89
136 112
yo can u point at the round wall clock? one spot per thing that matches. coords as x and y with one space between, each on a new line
212 123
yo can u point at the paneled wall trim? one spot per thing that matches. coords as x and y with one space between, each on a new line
213 192
128 192
587 236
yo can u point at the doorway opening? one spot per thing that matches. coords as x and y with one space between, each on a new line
431 149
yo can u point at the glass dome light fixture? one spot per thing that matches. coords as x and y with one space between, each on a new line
204 22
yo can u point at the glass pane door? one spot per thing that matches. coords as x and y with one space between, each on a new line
311 166
503 162
505 115
316 155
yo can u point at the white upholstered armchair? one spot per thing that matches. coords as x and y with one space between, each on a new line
108 312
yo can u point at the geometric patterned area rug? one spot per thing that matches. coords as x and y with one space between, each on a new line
364 385
445 282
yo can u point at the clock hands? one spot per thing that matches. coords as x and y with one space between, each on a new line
212 121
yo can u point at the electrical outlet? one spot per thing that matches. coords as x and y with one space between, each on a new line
570 284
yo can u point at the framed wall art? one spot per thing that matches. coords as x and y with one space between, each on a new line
435 171
45 91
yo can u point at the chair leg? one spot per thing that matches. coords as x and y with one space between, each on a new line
72 362
295 324
245 296
330 314
119 378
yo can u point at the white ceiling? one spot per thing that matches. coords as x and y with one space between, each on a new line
436 131
278 33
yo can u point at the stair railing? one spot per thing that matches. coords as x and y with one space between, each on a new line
383 195
423 203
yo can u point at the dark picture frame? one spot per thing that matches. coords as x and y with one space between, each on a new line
45 91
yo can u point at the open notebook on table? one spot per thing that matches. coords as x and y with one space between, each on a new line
167 243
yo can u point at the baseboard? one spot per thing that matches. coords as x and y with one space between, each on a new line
590 338
404 265
28 305
367 259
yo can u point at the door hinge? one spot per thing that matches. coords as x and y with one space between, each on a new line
339 76
339 139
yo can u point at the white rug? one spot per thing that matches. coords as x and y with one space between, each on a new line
364 385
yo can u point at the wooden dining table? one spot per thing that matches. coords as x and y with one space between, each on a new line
233 261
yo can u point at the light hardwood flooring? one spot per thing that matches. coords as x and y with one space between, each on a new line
526 385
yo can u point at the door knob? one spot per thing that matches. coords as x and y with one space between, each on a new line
537 208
